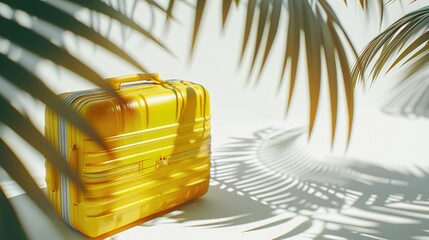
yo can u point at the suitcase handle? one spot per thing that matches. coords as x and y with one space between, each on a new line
116 82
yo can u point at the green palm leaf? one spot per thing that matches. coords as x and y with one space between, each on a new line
409 32
365 5
11 164
330 57
226 6
170 10
33 85
46 49
199 10
10 227
314 23
272 32
313 46
251 7
262 22
292 53
25 80
62 20
24 128
101 7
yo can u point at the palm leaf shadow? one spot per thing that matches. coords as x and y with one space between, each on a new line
410 98
272 172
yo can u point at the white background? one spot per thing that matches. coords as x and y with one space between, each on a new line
237 104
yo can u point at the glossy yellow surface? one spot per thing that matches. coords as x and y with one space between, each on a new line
158 158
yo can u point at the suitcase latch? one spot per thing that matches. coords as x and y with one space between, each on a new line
161 162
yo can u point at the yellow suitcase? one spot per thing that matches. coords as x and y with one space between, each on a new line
159 152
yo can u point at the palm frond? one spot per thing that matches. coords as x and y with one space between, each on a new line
322 34
61 19
44 48
380 4
330 57
20 76
409 32
10 227
226 6
169 10
25 129
264 7
101 7
321 38
199 13
328 40
33 85
326 45
292 54
199 10
272 32
251 8
13 166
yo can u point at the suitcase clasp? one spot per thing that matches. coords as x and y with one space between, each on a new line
161 162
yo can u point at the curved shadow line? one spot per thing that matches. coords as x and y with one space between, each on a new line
256 178
410 98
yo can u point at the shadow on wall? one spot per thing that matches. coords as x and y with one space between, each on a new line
271 183
410 98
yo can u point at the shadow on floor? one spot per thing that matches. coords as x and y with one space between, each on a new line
257 180
270 185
